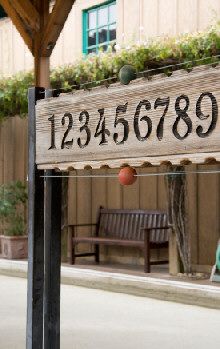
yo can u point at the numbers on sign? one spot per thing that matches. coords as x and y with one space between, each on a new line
84 128
181 128
146 118
201 116
52 129
182 115
101 130
67 144
122 121
161 102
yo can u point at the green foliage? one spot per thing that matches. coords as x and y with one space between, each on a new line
154 53
13 95
13 198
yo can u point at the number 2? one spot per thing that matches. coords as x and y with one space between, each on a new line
67 144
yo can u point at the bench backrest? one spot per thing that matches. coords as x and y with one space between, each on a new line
126 224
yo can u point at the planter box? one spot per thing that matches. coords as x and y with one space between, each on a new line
14 247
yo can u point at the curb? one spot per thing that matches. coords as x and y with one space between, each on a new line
169 290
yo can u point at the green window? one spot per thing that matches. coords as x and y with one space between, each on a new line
99 27
2 13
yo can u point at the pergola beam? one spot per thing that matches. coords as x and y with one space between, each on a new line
55 25
18 22
28 13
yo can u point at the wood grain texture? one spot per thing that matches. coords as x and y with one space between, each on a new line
136 152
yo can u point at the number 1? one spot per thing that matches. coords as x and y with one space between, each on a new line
52 132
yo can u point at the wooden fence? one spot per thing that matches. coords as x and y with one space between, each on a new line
85 195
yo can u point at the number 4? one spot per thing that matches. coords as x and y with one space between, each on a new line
103 131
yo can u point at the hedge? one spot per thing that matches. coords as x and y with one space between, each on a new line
152 54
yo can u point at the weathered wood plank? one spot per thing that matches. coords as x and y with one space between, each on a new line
84 207
192 211
9 165
19 148
208 219
166 119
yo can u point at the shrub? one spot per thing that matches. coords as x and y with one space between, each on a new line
154 53
13 198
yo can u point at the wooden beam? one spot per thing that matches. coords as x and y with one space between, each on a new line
55 25
28 13
19 24
42 71
41 64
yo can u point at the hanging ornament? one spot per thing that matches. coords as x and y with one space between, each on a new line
127 176
126 74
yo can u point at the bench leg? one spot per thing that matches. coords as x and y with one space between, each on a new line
97 259
147 253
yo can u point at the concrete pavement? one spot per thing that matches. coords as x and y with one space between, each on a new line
146 285
95 319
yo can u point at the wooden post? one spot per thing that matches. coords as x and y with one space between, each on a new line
41 64
52 214
34 339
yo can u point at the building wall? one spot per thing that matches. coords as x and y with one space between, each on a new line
137 20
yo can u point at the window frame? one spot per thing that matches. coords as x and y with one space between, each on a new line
86 29
3 14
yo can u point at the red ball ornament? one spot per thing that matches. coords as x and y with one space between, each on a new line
127 176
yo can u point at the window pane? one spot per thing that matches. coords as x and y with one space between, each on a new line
103 16
91 38
92 19
103 34
112 32
92 50
112 13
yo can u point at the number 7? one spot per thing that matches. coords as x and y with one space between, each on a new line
161 102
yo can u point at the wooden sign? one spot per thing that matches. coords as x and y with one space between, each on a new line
173 119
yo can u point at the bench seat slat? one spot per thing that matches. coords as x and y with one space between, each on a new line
108 241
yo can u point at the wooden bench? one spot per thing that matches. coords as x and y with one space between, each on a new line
129 228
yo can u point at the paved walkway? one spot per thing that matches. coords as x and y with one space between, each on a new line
94 319
159 286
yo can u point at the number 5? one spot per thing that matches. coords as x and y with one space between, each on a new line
121 109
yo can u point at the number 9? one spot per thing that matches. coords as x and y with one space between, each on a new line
201 116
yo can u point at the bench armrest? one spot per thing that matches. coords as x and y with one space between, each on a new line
81 225
72 228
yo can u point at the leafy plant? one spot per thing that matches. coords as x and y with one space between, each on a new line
191 49
13 198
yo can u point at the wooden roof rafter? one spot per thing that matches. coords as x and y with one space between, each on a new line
19 23
28 13
55 25
30 22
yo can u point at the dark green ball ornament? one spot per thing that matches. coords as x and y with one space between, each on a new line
126 74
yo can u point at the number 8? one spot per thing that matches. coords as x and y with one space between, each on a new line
182 114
